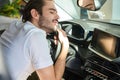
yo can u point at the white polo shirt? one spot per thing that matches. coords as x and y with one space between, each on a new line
26 49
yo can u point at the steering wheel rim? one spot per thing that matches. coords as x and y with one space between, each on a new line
58 50
55 49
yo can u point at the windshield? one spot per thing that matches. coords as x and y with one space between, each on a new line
109 11
105 12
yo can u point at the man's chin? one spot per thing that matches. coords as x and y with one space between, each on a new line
52 31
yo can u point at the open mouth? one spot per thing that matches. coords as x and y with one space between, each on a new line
55 22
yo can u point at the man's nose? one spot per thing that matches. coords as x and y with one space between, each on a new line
57 16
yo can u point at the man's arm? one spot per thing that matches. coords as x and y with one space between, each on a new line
56 72
46 73
60 63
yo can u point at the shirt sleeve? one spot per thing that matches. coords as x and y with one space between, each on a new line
39 51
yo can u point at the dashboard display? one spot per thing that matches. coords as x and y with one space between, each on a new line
105 44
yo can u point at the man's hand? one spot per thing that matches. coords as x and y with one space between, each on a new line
62 37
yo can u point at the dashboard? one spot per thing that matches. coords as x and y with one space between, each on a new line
83 61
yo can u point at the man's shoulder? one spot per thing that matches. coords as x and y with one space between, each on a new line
32 29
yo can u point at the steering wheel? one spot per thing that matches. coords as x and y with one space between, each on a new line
54 49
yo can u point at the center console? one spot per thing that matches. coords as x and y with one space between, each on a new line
101 69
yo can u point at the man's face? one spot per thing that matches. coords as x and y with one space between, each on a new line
49 18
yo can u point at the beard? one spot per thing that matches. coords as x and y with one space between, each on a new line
46 25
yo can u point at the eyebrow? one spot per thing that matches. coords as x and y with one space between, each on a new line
53 9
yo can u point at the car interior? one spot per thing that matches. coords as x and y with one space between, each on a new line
94 52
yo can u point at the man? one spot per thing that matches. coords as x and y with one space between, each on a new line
25 45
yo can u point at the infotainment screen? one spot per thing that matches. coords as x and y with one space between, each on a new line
105 44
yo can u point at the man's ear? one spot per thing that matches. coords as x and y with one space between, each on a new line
34 14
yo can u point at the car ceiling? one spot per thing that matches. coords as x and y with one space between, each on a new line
69 7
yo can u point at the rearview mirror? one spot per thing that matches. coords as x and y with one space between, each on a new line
91 4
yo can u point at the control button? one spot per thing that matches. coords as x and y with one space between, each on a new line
96 73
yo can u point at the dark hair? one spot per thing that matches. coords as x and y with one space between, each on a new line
32 4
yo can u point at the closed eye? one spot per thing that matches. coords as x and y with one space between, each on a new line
51 12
